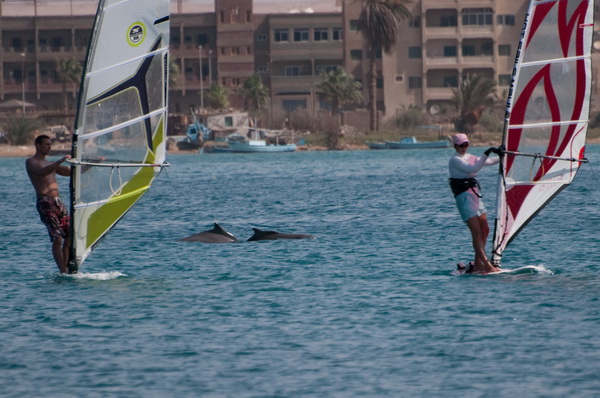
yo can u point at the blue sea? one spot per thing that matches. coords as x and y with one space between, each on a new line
367 309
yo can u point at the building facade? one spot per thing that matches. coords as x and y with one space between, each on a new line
445 41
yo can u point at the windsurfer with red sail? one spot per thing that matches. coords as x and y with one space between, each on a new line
463 168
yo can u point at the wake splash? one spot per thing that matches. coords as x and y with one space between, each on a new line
96 276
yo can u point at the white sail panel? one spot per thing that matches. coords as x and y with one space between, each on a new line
547 113
120 131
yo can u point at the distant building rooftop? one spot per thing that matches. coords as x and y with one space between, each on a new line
18 8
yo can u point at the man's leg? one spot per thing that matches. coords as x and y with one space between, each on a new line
57 252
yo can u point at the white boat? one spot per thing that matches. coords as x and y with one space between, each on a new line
119 139
546 116
258 143
413 143
255 146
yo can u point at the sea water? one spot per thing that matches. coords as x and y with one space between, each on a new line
368 308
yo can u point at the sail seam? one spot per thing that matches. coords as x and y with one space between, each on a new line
124 124
555 61
115 66
547 124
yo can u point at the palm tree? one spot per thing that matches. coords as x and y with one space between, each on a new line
20 130
69 71
254 94
339 88
217 96
379 24
174 73
471 98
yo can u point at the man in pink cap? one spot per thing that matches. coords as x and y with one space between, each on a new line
463 169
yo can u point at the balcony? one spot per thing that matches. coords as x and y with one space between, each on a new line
483 61
440 61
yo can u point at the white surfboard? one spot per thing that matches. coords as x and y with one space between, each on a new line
527 269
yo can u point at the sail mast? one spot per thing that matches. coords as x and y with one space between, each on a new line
73 265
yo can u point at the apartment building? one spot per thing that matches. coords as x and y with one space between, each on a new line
223 45
445 41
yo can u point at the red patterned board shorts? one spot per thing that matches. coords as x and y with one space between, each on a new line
54 215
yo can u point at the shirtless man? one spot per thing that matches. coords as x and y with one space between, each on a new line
53 213
463 169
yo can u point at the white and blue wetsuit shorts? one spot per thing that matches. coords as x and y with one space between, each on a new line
469 204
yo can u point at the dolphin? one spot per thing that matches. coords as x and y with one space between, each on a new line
215 235
274 235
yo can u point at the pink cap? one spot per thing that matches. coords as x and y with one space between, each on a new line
459 139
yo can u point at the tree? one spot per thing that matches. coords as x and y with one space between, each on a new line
379 24
20 130
69 71
338 88
216 96
254 94
471 98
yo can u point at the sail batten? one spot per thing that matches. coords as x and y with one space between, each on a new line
119 140
547 114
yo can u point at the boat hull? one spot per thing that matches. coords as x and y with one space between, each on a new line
246 147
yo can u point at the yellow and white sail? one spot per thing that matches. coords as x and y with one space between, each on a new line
120 130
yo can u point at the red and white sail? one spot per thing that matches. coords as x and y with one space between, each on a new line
547 113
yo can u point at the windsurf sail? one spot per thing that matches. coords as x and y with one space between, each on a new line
120 128
547 113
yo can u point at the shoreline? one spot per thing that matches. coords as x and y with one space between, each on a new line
23 151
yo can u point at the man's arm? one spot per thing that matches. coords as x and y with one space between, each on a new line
35 168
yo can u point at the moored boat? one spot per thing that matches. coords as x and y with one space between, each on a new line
413 143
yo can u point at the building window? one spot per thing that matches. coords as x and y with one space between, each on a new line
504 50
415 22
504 80
414 52
448 20
292 105
337 35
468 50
450 81
321 34
505 20
300 34
202 39
356 54
16 43
282 35
291 71
228 121
354 24
325 68
487 49
449 51
399 78
477 16
261 38
415 82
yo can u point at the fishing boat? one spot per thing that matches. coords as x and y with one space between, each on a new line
118 145
258 143
547 114
413 143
